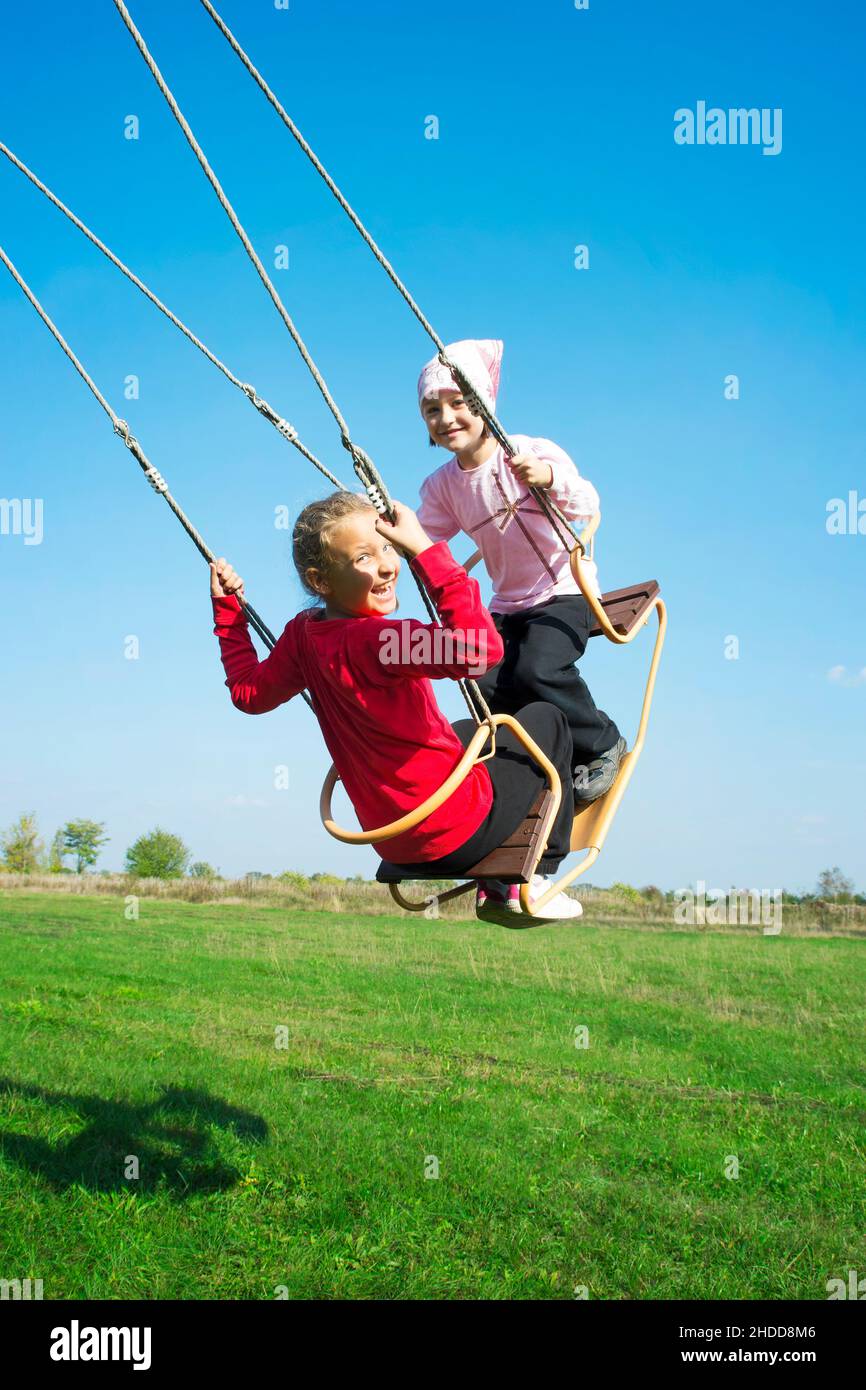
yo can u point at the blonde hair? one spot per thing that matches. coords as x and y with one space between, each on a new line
310 548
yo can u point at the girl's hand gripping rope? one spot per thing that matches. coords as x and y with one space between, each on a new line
224 580
532 471
406 532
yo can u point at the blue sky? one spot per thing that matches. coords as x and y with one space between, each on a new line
555 129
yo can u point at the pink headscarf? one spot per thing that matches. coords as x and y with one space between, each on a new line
479 358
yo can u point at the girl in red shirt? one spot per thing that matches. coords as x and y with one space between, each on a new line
368 676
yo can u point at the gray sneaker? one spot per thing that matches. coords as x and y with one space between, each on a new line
597 777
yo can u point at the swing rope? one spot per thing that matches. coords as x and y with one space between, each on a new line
283 427
363 464
286 430
320 169
121 428
159 485
569 537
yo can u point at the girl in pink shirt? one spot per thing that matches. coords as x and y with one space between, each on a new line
368 676
537 607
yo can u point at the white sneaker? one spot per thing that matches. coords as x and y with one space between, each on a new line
559 907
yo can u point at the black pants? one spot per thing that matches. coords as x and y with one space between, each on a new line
517 780
541 646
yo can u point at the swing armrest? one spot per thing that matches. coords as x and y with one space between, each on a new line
461 771
620 614
412 818
587 535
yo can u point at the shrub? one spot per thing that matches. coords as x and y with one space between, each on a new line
652 894
201 869
625 890
291 877
157 855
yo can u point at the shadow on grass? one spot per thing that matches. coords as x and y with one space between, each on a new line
171 1137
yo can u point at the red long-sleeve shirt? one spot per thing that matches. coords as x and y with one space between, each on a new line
369 682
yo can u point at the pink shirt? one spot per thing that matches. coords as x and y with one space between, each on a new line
523 555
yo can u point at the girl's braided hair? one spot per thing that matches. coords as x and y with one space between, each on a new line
310 535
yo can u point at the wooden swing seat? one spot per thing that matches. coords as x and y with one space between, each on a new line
626 608
512 862
515 861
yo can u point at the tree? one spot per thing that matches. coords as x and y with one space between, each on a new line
84 839
56 853
157 855
21 846
202 870
832 883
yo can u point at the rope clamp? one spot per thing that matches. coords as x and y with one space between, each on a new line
470 395
156 480
287 430
375 495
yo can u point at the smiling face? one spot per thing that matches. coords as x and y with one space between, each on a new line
450 422
361 577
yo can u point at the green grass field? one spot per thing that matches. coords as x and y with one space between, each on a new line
303 1165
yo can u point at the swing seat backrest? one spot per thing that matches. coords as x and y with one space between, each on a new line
626 608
